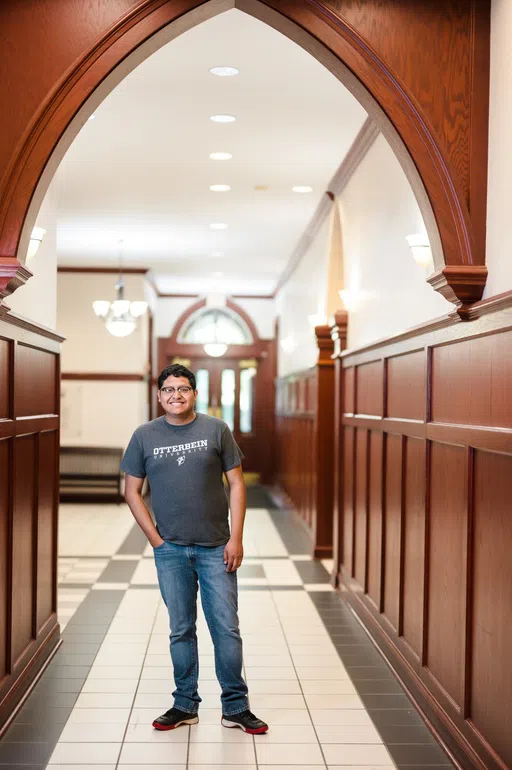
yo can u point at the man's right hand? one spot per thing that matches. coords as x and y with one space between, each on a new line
157 544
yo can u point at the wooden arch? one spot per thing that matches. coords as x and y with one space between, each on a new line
199 305
421 74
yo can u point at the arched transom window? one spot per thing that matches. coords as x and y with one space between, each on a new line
215 325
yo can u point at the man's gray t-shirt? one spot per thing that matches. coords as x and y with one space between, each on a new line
184 466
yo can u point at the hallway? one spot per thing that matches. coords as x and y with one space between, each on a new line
313 673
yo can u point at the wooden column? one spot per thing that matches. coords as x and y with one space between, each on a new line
323 445
339 330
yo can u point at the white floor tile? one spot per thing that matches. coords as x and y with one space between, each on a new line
262 672
92 733
342 717
276 717
111 716
262 701
286 753
329 673
322 687
275 686
104 700
223 753
290 734
336 754
216 733
154 753
88 753
334 701
110 686
347 734
144 732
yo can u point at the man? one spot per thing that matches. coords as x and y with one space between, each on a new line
184 456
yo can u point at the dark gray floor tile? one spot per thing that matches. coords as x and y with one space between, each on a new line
379 671
401 718
79 648
50 715
39 700
143 586
406 734
389 685
417 754
33 733
291 531
271 588
56 671
14 754
118 571
386 701
312 572
52 686
134 543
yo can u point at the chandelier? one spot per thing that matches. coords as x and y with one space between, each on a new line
121 315
215 347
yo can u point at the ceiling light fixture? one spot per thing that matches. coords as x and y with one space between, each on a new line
92 117
35 241
302 188
121 315
225 72
223 118
216 347
220 187
218 226
220 155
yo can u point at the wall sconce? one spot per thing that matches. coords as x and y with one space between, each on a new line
317 319
35 241
420 248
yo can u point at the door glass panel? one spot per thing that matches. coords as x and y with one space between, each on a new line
228 397
246 398
202 385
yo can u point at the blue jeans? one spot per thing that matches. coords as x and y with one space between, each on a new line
180 569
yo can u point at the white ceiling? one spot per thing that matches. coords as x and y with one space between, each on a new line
141 169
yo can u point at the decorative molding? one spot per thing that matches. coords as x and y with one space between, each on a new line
112 270
339 332
460 284
11 318
103 376
491 305
12 275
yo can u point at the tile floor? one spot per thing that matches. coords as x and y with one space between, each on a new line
313 674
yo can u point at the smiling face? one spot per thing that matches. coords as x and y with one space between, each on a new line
177 399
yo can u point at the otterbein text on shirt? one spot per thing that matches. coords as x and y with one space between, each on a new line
177 449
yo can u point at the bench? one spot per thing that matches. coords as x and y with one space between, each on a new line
90 474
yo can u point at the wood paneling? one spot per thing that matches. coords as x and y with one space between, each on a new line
393 529
349 405
29 446
5 475
35 382
5 388
369 388
434 586
406 386
491 621
486 396
414 543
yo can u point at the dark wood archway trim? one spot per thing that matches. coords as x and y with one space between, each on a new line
446 174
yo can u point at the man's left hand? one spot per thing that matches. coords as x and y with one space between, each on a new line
233 554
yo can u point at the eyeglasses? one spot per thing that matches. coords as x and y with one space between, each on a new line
183 390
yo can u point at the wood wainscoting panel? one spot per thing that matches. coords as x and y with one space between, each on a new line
370 388
406 386
375 497
4 550
35 383
48 485
480 399
349 400
414 543
5 380
490 703
446 576
393 530
23 536
360 507
348 499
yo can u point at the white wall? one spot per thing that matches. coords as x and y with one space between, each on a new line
389 289
499 194
303 294
100 413
37 300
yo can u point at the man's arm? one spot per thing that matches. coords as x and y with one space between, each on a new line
234 551
133 496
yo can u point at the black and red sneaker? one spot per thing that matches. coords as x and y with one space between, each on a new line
174 718
246 721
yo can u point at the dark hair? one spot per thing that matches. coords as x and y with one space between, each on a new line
176 370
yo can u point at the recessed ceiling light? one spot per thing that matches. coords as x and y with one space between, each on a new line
220 187
223 118
92 117
220 155
302 188
219 226
225 72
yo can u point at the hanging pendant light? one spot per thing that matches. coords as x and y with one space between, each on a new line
121 315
